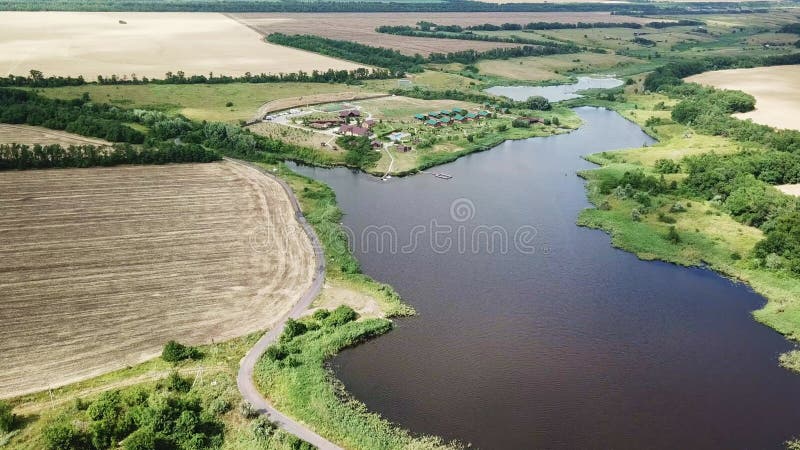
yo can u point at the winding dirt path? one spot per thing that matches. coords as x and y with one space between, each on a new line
244 379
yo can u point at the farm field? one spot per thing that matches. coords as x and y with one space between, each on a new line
102 266
146 44
555 67
30 135
360 27
203 101
775 89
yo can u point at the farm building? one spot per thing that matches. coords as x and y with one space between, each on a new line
471 116
483 113
402 148
433 122
459 118
433 114
377 145
353 130
349 113
420 116
445 112
398 136
369 123
445 120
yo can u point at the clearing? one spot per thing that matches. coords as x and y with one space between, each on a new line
360 27
775 89
29 135
100 267
791 189
555 67
144 44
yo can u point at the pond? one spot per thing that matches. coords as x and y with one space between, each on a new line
560 341
557 92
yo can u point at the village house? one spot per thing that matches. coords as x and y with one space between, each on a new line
353 130
349 114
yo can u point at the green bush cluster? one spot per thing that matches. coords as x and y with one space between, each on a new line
170 417
174 351
359 151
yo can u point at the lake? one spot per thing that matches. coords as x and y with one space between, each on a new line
560 341
557 92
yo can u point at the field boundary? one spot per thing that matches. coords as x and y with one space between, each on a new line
316 99
244 378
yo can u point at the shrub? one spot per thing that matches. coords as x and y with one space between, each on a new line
7 418
247 410
667 166
673 236
229 104
665 218
555 121
276 352
262 428
321 314
677 208
174 352
141 439
736 256
176 383
61 435
520 123
292 329
636 215
340 316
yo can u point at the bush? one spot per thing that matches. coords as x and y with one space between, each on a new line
667 166
665 218
556 122
292 329
141 439
276 352
176 383
229 104
340 316
520 123
636 215
321 314
247 410
537 102
677 208
673 236
7 418
174 352
262 428
61 435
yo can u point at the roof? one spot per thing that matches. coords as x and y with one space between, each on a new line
420 116
483 113
349 113
459 110
432 122
445 120
358 131
446 112
471 115
433 113
458 117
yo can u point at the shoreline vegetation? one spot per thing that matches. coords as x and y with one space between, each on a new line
652 203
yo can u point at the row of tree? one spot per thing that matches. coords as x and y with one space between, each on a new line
37 79
557 47
22 157
552 26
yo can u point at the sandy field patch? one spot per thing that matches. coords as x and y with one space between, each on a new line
775 88
791 189
100 267
148 44
360 27
29 135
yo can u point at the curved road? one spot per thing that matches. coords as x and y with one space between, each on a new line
244 378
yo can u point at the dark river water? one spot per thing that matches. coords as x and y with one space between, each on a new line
561 341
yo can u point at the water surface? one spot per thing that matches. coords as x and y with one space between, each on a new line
576 345
557 92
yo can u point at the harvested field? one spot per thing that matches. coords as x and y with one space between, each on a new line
790 189
775 89
100 267
28 135
360 27
147 44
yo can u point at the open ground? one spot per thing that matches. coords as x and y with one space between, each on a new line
775 89
360 27
29 135
102 266
146 44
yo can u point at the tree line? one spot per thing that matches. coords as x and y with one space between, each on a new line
470 36
398 63
37 79
552 26
23 157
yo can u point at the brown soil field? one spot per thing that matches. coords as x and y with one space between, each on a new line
775 88
360 27
147 44
100 267
28 135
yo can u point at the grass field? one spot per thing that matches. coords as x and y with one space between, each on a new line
555 67
360 27
203 101
103 266
29 135
146 44
775 88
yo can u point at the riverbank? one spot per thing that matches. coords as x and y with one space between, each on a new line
705 233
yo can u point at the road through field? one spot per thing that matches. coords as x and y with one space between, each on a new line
100 267
244 379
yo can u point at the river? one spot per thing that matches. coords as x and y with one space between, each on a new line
561 341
